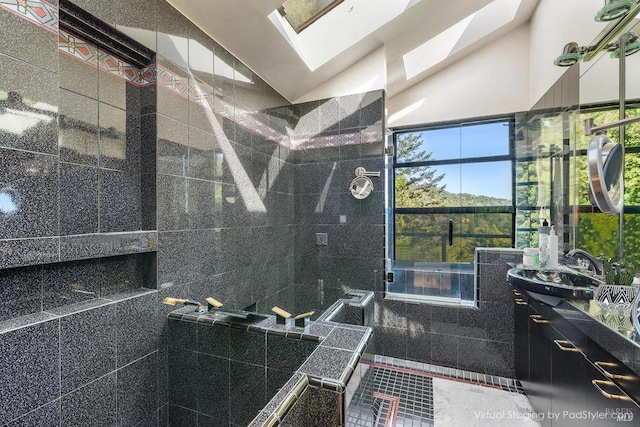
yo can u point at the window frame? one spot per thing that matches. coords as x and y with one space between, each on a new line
392 164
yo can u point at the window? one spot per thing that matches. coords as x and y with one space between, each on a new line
302 13
451 191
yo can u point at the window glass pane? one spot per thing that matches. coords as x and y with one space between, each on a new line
437 144
598 233
486 184
484 140
427 186
631 180
425 237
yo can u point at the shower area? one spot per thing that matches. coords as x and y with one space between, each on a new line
168 170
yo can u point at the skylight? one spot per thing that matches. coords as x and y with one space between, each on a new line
320 42
302 13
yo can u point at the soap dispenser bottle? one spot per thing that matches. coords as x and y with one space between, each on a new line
543 243
552 261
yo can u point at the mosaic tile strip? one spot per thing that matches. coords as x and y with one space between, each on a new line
88 53
77 48
41 13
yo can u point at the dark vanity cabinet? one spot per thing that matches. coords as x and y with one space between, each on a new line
569 379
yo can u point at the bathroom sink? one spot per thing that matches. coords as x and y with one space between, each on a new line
562 282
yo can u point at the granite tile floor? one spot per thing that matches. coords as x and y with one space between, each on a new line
408 395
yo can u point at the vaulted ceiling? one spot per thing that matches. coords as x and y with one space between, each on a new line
417 37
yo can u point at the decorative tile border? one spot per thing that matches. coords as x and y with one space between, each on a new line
38 12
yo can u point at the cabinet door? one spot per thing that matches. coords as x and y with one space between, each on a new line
583 396
539 390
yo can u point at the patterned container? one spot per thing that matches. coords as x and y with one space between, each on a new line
615 297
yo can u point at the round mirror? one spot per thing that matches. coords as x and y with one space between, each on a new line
605 166
361 187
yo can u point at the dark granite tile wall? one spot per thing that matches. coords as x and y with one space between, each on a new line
354 255
224 374
475 339
60 367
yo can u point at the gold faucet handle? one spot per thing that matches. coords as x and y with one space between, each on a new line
173 301
214 302
281 312
303 315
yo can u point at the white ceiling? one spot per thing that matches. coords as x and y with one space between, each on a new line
431 33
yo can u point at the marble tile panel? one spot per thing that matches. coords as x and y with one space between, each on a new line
111 89
139 26
444 350
93 404
114 138
309 119
183 334
224 64
213 340
492 284
45 416
20 292
201 51
78 76
349 112
137 391
29 369
372 108
31 43
173 35
201 115
172 199
184 380
173 146
322 407
388 341
137 336
202 212
213 387
202 154
484 356
78 199
148 143
286 354
344 338
87 346
327 363
120 201
182 417
317 178
247 346
70 283
78 128
30 188
247 391
23 252
169 102
148 185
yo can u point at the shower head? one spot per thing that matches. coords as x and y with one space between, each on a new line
571 54
614 9
631 45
